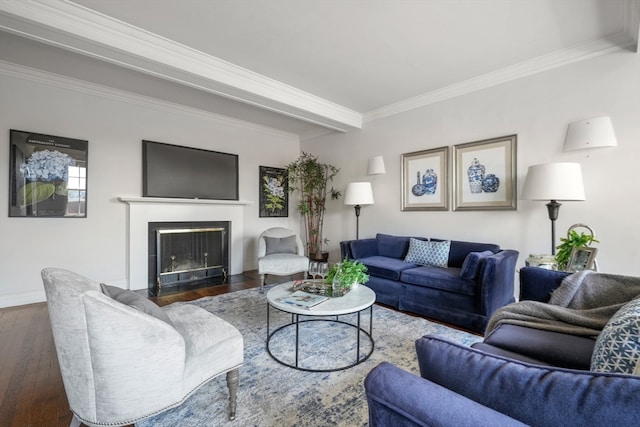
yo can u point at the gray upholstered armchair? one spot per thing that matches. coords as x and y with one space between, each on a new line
280 252
125 361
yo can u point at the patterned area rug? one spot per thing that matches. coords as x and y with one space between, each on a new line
271 394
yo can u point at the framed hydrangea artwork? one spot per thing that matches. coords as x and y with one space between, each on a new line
274 192
47 176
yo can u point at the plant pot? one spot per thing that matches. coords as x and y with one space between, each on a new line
319 257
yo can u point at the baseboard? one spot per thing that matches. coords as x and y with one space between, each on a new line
24 298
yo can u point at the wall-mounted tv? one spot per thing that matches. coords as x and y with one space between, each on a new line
174 171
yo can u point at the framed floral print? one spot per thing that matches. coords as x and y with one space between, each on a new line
47 176
274 192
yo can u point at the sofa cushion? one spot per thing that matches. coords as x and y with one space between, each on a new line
280 245
425 252
617 347
136 301
385 267
554 348
447 279
471 265
459 250
392 246
536 395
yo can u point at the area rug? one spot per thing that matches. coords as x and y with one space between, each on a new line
271 394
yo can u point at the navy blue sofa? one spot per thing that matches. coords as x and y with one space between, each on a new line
528 383
450 294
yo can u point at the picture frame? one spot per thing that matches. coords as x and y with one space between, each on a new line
581 258
485 174
274 192
47 175
425 180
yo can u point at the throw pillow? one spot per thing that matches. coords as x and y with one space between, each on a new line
136 301
617 347
281 245
471 265
428 252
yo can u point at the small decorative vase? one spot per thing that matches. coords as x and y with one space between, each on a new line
490 183
475 173
430 181
418 189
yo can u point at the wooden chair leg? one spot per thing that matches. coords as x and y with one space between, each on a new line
75 422
233 379
263 277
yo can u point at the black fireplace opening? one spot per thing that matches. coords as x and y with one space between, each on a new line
187 255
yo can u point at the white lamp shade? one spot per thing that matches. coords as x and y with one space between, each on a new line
554 181
591 133
358 193
376 166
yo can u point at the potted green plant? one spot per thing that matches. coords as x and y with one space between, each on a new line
345 275
573 240
310 178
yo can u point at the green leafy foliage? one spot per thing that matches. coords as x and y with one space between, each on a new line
350 271
573 240
35 192
310 177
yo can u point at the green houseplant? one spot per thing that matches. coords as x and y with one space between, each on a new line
310 178
345 275
573 240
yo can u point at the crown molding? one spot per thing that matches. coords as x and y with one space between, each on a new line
551 61
76 28
68 83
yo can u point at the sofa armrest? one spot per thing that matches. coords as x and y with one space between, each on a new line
535 395
400 398
537 283
497 275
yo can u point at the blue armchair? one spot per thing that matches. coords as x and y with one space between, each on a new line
462 386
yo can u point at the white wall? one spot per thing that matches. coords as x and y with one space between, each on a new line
538 109
114 123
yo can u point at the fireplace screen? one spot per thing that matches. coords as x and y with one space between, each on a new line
186 255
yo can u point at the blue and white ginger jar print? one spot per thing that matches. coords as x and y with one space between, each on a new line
490 183
475 173
430 181
418 189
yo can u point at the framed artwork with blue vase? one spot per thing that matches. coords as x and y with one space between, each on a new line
484 176
425 180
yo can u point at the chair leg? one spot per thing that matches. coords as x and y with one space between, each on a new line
262 279
75 422
233 379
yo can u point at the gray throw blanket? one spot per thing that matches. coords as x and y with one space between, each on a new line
581 305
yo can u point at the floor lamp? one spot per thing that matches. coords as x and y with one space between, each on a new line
356 195
553 182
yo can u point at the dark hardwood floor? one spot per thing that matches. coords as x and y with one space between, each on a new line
31 389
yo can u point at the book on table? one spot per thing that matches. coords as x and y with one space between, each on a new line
303 299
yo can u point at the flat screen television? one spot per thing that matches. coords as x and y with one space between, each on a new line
174 171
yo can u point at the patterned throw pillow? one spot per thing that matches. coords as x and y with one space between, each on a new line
428 252
617 348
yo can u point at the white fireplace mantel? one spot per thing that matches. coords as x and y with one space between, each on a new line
143 210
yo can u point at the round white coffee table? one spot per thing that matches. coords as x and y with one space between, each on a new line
355 302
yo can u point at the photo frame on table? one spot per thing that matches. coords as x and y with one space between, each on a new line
47 175
425 180
485 174
274 192
581 258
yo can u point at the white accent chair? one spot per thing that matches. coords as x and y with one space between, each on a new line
120 365
281 253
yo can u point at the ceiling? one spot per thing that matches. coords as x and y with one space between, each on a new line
309 66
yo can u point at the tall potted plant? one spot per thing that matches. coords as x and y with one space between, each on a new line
310 178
